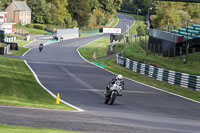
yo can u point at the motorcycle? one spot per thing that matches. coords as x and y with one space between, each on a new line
112 93
40 47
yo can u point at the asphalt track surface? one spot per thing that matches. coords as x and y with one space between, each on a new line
141 109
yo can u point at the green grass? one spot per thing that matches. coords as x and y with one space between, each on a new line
21 50
87 34
140 22
20 129
100 47
18 87
176 64
31 30
130 48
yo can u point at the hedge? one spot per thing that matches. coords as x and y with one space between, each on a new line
37 26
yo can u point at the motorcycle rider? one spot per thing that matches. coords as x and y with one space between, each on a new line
41 47
118 79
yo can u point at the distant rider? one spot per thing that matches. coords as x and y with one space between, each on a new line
119 80
41 47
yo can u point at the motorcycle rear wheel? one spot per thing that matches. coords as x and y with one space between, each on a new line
111 101
106 99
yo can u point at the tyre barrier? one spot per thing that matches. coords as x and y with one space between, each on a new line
176 78
4 50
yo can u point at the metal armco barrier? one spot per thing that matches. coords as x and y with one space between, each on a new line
172 77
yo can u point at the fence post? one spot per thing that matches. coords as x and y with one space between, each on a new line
151 48
187 51
158 49
147 49
154 49
174 53
181 52
194 53
168 52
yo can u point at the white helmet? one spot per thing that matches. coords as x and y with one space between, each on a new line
119 77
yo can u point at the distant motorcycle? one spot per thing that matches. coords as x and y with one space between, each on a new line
112 93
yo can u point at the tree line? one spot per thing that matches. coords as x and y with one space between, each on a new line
71 13
164 13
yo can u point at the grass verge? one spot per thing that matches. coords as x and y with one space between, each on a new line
21 50
18 87
20 129
99 47
112 66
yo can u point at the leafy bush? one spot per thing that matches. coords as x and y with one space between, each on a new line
51 27
30 25
37 26
40 26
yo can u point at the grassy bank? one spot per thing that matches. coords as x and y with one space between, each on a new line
18 87
170 63
98 48
20 129
112 66
31 30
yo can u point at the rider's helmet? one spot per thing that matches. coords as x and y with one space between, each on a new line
119 77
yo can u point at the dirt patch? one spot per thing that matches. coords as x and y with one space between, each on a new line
3 45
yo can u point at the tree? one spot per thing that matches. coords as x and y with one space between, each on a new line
60 14
40 11
141 30
167 13
80 10
100 16
4 3
94 4
128 5
1 4
193 9
109 8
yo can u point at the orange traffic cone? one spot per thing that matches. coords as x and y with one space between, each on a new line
58 99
